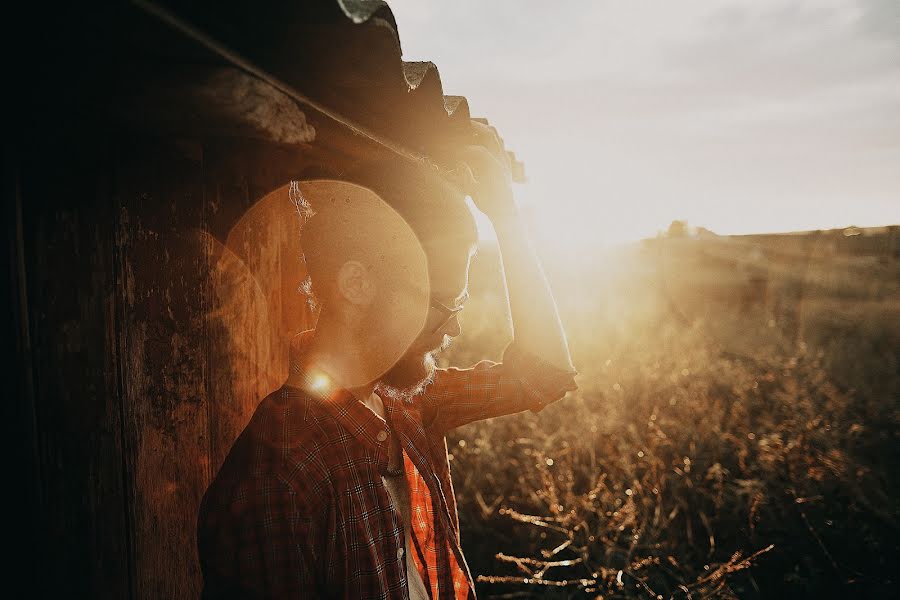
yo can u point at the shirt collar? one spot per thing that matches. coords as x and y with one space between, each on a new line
347 409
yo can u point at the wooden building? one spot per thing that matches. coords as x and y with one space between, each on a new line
143 141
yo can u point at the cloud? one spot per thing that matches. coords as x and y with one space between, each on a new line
734 114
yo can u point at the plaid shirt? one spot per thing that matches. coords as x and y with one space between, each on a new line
299 509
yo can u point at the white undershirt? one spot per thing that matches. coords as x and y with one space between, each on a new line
399 491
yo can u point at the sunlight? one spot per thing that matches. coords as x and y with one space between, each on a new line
319 383
627 121
486 231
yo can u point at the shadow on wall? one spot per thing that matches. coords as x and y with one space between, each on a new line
258 306
207 327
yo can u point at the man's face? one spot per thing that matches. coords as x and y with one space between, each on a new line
415 369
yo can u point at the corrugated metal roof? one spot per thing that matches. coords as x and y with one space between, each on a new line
344 55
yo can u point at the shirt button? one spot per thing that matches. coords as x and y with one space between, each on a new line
382 435
400 553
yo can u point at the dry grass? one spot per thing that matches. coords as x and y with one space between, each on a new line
715 449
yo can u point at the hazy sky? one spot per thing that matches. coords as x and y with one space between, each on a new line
740 116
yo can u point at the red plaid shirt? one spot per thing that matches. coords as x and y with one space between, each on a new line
299 510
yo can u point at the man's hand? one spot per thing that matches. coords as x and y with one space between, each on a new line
489 184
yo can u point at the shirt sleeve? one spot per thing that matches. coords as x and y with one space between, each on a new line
273 553
522 381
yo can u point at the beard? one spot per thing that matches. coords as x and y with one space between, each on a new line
412 374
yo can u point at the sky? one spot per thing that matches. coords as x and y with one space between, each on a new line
738 116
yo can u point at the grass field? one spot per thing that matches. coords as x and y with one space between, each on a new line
734 434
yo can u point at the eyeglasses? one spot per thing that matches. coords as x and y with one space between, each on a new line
448 312
436 306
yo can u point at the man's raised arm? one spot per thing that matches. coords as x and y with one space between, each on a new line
536 369
535 320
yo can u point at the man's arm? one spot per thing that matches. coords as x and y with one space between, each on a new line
491 389
536 369
535 320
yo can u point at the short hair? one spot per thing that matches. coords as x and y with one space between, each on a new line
437 212
345 221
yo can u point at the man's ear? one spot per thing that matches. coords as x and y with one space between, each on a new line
355 283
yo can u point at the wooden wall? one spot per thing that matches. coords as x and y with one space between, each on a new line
143 343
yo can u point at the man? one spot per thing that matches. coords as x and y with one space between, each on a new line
340 485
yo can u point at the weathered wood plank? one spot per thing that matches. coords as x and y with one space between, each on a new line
69 268
207 100
165 364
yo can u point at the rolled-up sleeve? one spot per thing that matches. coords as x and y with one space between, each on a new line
522 381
